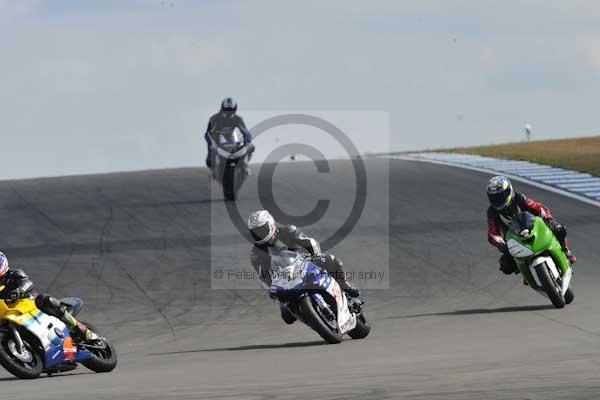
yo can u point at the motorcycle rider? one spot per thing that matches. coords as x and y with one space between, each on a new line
271 237
224 122
17 285
505 203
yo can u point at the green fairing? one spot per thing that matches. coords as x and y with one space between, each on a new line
543 240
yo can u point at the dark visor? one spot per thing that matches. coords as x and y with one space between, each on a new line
498 199
260 232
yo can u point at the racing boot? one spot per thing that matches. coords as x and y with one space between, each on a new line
84 334
570 256
246 165
79 331
348 288
248 158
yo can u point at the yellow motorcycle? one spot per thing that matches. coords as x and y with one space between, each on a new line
32 342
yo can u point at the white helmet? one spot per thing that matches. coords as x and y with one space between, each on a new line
262 227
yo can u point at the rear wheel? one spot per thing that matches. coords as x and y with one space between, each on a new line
104 355
551 287
362 328
317 321
26 364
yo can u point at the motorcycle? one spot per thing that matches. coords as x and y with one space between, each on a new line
540 258
32 342
229 163
314 297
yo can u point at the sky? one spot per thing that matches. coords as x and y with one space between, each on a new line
100 86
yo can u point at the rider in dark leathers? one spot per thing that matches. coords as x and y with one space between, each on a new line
505 203
18 285
224 122
271 237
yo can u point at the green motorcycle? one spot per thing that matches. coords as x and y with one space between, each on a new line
540 258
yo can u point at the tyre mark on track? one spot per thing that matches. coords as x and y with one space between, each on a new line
101 254
147 296
47 218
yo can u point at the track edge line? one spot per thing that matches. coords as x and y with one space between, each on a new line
517 178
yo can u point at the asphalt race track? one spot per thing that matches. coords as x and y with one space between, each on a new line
138 248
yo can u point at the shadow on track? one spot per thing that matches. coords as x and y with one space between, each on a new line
250 347
477 311
58 375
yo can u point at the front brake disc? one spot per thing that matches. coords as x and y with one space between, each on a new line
24 356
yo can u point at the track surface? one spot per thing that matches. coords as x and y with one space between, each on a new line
137 248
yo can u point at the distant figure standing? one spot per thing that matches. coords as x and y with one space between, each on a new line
528 132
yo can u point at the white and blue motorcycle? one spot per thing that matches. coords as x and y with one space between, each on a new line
315 298
230 162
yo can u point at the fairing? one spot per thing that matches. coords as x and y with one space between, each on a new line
52 333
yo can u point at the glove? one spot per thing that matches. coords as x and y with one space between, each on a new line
272 294
16 294
503 248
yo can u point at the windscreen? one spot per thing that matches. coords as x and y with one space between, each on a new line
236 136
284 259
521 222
233 136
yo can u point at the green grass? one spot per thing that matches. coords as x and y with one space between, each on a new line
579 154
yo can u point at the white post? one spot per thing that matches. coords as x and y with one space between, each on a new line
528 132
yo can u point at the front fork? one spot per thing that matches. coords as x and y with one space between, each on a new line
17 336
324 306
354 304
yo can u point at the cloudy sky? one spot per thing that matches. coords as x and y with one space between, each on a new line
100 86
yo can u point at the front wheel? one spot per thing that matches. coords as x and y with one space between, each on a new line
26 364
229 184
104 355
551 287
316 321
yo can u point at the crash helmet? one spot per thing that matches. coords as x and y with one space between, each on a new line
500 192
263 227
228 104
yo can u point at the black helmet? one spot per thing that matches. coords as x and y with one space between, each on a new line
228 104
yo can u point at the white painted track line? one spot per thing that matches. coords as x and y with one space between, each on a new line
576 185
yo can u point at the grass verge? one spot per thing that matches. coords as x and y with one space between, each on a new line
579 154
